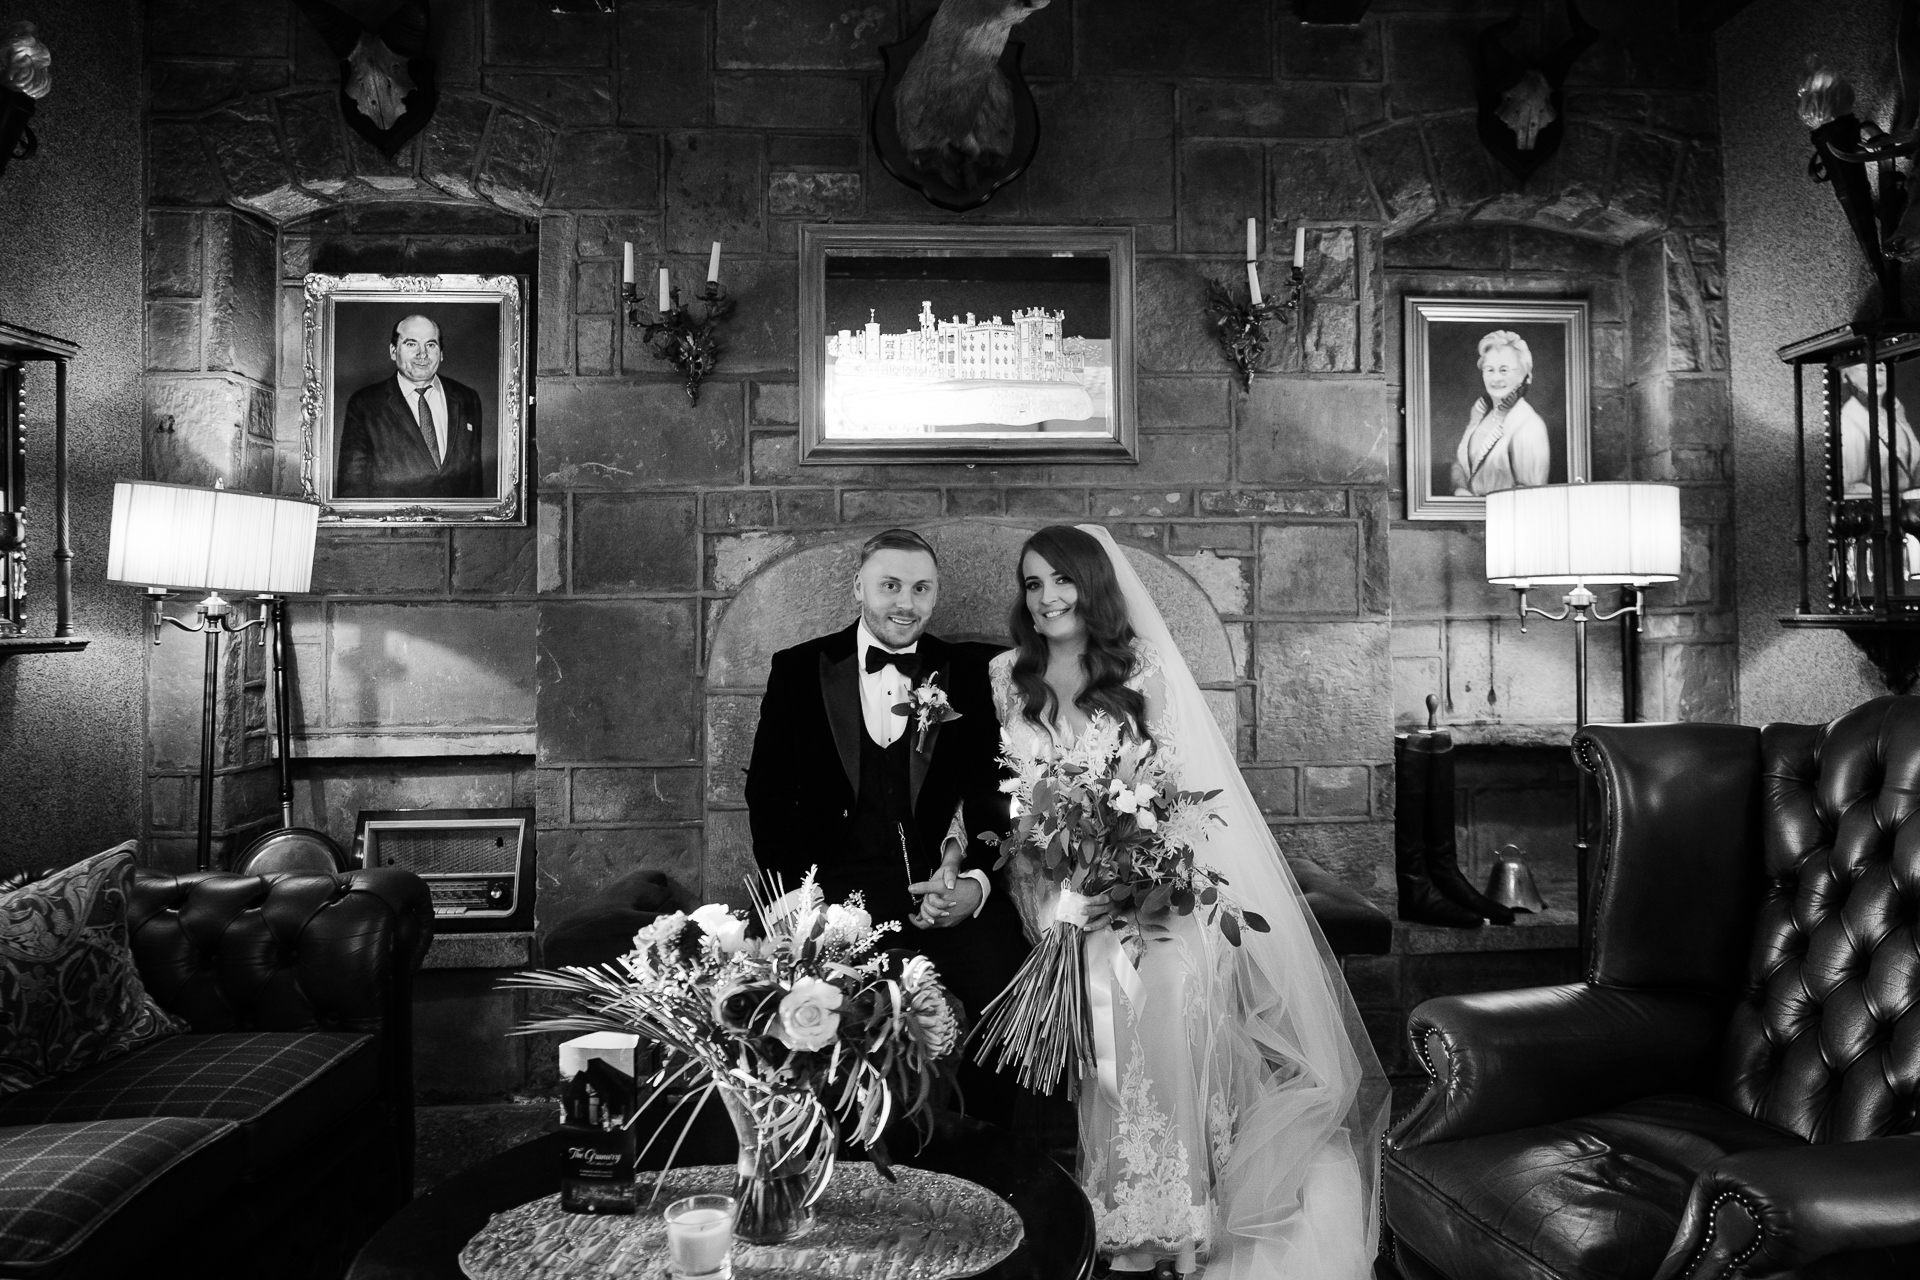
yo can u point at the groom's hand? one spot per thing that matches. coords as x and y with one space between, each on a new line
946 899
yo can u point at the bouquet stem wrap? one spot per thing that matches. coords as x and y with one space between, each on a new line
1042 1021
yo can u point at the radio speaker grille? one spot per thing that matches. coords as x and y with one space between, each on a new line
460 850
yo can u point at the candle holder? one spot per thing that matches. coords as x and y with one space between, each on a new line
1241 327
678 336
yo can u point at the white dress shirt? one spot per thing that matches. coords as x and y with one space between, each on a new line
880 692
437 397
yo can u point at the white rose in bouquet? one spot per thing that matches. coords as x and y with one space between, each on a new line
809 1015
723 926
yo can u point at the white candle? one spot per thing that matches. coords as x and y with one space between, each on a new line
698 1238
1253 242
626 263
713 264
1253 281
663 289
1299 246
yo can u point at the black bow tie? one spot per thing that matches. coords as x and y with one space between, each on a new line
909 663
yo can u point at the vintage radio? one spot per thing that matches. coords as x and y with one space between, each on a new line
478 863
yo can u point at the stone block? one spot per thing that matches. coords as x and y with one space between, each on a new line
1199 38
1219 183
728 864
450 152
550 570
812 151
636 795
1360 853
593 342
776 403
1697 561
217 28
243 286
1275 790
1170 330
196 429
1047 503
1316 431
443 666
1336 791
1330 343
634 542
1262 111
1329 53
1696 115
576 865
1272 502
663 65
1396 160
799 35
175 246
714 185
1424 59
616 681
1645 167
527 33
776 460
787 102
732 720
975 502
191 86
734 558
1112 143
814 196
606 169
315 140
1324 690
739 509
1151 505
180 170
570 99
1440 571
554 343
800 508
760 335
1461 163
1319 181
889 506
1309 568
494 562
513 173
608 435
1544 249
1332 268
1225 579
1182 402
1575 179
375 563
250 159
605 235
173 336
1209 535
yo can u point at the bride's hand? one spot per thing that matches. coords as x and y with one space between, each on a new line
1088 913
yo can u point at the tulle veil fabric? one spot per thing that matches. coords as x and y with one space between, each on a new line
1297 1194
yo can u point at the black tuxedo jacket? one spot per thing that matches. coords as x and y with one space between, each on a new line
803 779
383 454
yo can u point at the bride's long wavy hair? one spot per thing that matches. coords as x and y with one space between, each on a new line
1108 659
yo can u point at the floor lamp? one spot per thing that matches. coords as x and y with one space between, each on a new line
1615 533
179 537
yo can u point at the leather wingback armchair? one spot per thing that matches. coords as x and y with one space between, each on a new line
1734 1089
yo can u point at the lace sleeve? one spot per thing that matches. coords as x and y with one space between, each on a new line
1000 681
1149 677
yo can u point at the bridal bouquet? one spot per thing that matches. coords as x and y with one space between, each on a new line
792 1028
1105 820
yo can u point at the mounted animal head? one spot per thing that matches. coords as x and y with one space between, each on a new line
954 107
387 91
1521 111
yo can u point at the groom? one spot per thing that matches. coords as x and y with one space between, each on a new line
888 802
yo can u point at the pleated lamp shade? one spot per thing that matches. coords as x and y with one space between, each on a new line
177 535
1624 531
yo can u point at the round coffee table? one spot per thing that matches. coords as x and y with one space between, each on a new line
423 1241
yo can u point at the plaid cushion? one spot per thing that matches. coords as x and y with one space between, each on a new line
60 1183
69 994
283 1088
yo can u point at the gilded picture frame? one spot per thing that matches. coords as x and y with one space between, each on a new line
371 455
966 344
1497 396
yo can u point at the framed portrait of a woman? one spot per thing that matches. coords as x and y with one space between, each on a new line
1496 398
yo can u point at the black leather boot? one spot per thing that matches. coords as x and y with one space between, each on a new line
1420 901
1443 851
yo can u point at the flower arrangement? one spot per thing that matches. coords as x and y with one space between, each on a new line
805 1031
928 705
1107 823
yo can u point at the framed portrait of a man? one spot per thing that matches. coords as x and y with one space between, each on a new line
1496 398
414 398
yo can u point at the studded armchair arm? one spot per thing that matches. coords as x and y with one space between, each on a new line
1504 1060
1763 1213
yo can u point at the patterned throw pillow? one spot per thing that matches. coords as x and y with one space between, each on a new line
69 994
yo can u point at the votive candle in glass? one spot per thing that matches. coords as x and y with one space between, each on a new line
700 1237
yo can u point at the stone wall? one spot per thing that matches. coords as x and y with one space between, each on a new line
673 123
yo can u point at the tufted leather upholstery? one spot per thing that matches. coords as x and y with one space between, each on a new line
1733 1088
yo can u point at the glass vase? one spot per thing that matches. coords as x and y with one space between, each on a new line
776 1183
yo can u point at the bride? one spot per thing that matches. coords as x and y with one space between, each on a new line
1238 1108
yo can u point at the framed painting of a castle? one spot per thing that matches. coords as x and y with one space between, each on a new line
966 344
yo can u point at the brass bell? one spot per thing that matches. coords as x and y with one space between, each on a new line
1511 884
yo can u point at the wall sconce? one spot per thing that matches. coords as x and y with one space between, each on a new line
212 540
678 336
1242 327
24 79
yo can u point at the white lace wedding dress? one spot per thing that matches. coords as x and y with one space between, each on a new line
1236 1112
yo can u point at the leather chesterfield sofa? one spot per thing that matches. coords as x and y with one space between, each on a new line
271 1139
1734 1090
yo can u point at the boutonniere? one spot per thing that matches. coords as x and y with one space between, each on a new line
927 704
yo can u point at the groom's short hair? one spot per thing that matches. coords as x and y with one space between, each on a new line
896 540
